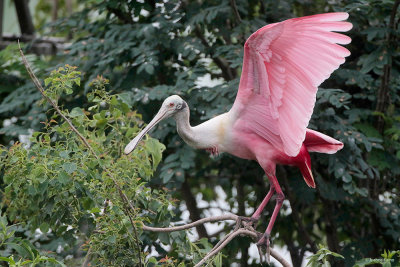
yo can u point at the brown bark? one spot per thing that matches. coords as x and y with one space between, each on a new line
24 17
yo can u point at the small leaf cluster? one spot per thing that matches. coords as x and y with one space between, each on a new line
61 81
321 257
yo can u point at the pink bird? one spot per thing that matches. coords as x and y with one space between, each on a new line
283 65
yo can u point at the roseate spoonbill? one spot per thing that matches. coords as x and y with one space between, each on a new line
283 65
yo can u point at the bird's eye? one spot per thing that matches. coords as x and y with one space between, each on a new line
171 104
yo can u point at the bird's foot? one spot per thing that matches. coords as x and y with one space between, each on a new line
247 221
264 243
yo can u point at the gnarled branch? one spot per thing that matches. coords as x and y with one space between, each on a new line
241 228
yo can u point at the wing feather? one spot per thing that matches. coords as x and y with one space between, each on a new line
283 65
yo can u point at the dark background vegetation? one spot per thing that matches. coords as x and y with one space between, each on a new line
153 49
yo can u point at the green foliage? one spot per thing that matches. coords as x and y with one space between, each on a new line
59 187
321 257
386 261
15 247
61 81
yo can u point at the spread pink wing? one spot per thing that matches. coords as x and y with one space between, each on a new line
283 65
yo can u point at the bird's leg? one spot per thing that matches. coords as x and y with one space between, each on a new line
252 221
264 240
256 215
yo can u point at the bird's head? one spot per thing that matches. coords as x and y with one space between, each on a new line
171 106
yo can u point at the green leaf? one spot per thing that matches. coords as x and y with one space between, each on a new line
69 167
64 177
9 259
75 112
44 227
155 148
149 68
47 81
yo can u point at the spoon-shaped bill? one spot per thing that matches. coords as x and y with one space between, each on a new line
135 141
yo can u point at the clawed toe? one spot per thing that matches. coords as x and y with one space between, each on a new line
264 242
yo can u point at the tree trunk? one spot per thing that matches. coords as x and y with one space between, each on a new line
24 17
192 208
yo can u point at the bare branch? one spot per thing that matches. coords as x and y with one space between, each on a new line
193 224
241 228
222 245
246 232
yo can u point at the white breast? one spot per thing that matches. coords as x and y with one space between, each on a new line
213 133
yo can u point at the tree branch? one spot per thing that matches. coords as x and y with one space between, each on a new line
193 224
241 228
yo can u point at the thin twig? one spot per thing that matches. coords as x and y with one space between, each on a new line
129 213
87 258
38 85
221 246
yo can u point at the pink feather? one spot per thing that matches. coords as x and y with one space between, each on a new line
283 65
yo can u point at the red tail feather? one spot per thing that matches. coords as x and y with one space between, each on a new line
305 166
315 142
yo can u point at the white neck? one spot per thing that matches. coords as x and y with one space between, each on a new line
183 127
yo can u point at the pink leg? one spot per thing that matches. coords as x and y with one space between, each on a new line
279 200
264 240
256 215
